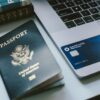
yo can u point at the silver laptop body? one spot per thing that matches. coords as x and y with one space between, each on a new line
62 35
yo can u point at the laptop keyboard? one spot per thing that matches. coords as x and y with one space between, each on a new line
77 12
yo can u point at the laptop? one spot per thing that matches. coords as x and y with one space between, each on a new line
74 27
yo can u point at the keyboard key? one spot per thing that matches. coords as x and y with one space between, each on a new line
93 4
61 1
70 4
85 13
59 7
98 8
94 10
85 6
98 2
79 21
65 12
71 17
88 19
53 2
70 24
96 16
78 2
87 1
76 8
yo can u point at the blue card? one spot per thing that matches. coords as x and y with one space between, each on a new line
83 53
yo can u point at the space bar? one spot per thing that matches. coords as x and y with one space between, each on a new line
71 17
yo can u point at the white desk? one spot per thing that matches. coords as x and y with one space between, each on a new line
74 88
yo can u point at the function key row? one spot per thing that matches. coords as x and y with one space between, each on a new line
86 12
60 7
72 2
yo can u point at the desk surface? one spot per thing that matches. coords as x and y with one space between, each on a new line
74 88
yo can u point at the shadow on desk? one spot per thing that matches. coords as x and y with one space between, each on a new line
95 98
91 78
31 95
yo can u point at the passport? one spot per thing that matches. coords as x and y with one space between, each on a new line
83 53
26 63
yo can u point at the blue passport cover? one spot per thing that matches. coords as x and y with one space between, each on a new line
25 60
83 53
